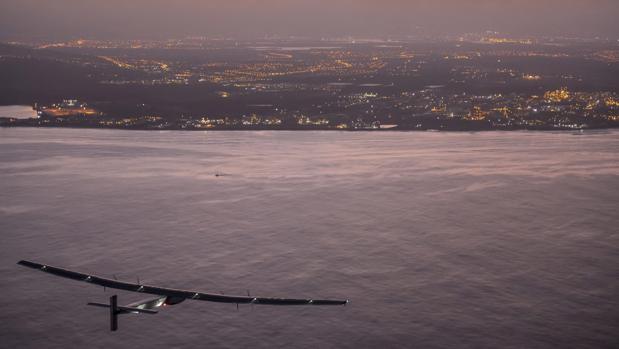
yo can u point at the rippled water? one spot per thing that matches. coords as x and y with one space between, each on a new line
17 111
440 240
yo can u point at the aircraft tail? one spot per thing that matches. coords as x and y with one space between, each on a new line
116 310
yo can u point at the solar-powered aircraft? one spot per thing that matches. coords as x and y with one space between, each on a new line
165 296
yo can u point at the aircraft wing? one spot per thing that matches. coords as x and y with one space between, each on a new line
174 293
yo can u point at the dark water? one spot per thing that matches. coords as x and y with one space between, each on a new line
440 240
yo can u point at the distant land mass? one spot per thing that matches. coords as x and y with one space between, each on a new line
477 82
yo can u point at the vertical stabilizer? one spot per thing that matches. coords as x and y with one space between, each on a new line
114 313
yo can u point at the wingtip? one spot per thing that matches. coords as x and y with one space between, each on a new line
29 264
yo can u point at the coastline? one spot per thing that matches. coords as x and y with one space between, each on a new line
261 129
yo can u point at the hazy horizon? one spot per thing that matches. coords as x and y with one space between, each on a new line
156 19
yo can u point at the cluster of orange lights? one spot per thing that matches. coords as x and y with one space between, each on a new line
477 114
611 102
557 95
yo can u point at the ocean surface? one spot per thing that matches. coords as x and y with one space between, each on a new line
17 111
439 240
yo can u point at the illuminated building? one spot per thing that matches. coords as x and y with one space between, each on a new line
531 77
477 114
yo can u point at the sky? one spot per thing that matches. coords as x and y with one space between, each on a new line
143 19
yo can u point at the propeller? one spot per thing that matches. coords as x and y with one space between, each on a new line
115 278
252 304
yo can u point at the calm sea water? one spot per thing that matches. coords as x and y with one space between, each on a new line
17 111
440 240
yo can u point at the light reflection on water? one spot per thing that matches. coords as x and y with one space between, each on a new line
495 239
17 111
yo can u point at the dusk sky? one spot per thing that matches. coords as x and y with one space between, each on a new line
63 19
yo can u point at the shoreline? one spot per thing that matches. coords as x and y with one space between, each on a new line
394 130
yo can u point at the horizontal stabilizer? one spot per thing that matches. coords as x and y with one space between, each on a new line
138 310
124 309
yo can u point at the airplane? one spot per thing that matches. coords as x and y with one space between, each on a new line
165 296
